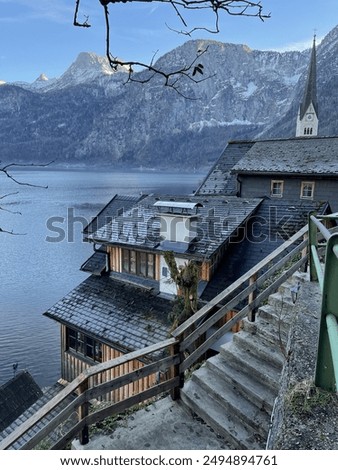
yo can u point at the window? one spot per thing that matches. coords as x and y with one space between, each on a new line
139 263
277 188
164 271
84 345
307 190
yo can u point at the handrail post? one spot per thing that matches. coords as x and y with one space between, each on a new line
313 241
326 367
305 252
251 298
83 413
175 393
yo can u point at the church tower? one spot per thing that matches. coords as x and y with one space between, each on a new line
307 120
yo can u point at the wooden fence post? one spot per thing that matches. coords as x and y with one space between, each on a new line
252 296
83 413
313 242
305 252
175 393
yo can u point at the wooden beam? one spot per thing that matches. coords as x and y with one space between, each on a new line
123 405
53 423
83 413
252 296
131 377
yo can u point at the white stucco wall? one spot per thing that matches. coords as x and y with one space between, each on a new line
167 285
178 228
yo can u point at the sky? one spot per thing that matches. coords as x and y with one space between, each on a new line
38 36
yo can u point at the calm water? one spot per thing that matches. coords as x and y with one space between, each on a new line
34 273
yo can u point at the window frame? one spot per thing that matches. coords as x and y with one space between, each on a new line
302 187
273 182
139 263
80 344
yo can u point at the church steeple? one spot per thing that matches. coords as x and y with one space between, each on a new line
307 120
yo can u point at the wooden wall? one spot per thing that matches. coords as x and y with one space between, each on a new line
237 327
326 189
205 271
72 365
115 258
115 261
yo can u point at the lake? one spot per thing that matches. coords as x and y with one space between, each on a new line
36 273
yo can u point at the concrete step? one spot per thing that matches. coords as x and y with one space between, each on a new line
230 398
281 302
266 352
300 276
220 420
292 285
246 384
267 332
286 287
246 362
268 314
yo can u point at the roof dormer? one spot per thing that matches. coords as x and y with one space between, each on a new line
178 224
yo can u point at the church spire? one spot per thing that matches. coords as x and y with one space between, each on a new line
307 121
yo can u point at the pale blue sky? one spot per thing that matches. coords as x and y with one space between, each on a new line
37 36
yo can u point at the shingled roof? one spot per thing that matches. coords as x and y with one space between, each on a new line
96 264
310 92
122 316
272 224
48 393
220 180
119 203
16 396
298 156
218 218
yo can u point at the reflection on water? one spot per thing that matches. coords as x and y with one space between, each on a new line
34 274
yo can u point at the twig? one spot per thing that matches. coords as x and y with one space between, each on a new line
172 79
6 171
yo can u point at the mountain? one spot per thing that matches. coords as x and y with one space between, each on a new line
90 116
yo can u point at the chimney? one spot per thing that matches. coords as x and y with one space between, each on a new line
178 224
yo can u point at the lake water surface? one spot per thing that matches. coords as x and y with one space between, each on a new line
34 273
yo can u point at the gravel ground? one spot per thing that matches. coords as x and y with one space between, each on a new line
306 417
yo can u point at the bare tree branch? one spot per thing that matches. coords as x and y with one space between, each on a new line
10 232
172 78
6 171
85 24
9 194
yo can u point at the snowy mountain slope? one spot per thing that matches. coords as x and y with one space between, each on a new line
91 116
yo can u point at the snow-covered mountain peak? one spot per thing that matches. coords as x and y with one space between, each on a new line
87 67
42 78
90 62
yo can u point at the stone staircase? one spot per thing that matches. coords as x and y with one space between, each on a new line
234 391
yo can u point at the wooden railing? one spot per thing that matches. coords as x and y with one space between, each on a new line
186 346
80 386
325 271
251 286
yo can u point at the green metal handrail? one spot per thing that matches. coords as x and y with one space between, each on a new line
326 375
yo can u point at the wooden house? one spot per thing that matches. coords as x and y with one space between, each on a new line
125 303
